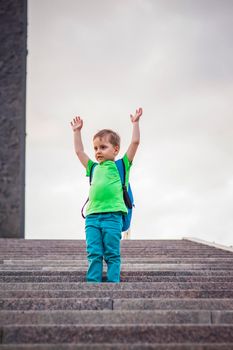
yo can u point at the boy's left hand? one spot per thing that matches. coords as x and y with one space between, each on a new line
135 118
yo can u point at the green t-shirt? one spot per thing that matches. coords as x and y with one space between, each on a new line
106 193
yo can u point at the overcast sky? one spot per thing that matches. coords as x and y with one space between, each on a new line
102 60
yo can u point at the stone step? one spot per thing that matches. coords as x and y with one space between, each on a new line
81 244
82 278
42 247
114 317
102 303
127 268
74 279
79 255
133 243
7 256
124 279
186 279
207 265
124 268
79 248
129 248
23 287
126 244
159 273
133 251
119 346
42 262
13 241
73 257
71 242
117 333
57 304
173 304
43 294
78 244
129 286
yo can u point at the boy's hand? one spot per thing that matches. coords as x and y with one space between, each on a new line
77 123
135 135
135 118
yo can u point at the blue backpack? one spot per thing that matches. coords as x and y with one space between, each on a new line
127 194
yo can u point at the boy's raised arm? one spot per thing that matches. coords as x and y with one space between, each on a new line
135 135
77 125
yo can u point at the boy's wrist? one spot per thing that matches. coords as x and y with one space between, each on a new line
135 123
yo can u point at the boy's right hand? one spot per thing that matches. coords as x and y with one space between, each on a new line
77 123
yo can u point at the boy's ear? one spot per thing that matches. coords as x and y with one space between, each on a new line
117 149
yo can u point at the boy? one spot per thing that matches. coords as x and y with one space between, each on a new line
106 205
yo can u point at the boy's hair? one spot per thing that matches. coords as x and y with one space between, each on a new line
113 137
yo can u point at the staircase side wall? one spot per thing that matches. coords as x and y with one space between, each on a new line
13 52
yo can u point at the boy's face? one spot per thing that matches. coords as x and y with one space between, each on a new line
104 150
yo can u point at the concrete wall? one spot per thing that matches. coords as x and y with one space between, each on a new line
13 51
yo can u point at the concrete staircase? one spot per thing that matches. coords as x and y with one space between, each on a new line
174 294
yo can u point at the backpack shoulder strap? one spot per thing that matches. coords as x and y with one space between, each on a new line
91 172
121 169
128 199
90 180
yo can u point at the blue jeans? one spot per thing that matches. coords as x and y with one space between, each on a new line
103 236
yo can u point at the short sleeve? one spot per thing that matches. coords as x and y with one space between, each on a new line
88 168
127 162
